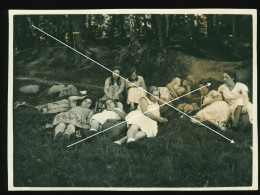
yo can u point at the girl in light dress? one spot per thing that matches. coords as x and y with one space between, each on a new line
133 93
176 88
77 116
213 108
236 96
114 85
111 112
141 123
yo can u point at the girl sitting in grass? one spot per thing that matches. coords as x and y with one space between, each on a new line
236 96
134 93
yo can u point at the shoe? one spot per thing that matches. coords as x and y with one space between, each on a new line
118 142
58 136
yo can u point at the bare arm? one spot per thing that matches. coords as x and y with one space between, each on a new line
171 90
142 84
144 108
188 91
120 113
106 87
245 97
122 87
215 98
73 99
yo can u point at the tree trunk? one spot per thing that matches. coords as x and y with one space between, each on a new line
167 17
154 24
234 35
89 27
122 25
111 34
210 26
217 27
160 34
77 39
137 25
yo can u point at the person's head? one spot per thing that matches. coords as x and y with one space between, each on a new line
86 103
110 104
205 90
132 75
188 80
117 71
156 93
229 77
100 105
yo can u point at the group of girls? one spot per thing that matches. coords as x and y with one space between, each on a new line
218 107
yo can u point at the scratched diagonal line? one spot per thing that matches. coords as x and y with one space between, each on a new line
130 82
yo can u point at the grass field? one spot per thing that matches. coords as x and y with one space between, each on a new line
182 155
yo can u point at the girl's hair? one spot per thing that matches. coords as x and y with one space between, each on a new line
205 82
189 79
87 97
232 74
152 89
112 101
131 70
118 78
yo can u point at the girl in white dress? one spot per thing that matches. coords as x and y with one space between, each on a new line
214 109
141 123
236 96
134 93
111 112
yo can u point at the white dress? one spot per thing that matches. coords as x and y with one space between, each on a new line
216 113
134 94
146 124
105 115
234 99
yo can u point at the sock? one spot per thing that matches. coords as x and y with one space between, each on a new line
130 139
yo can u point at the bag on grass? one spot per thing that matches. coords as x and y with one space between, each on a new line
29 89
68 91
55 89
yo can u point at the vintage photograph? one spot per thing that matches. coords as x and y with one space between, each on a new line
132 99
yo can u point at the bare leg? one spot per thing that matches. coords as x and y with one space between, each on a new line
131 133
139 135
59 130
120 141
132 105
95 125
69 131
237 116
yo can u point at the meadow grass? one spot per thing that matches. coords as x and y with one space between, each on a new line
181 155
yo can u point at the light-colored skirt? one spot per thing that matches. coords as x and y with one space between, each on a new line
147 125
217 113
135 94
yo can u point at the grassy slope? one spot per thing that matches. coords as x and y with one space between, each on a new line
182 155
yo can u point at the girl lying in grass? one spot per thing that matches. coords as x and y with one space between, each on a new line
213 108
77 116
112 112
144 125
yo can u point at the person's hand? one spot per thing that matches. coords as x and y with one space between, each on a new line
244 109
163 120
111 109
203 105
